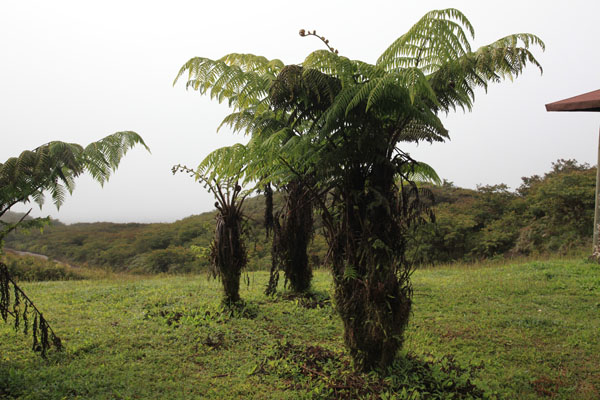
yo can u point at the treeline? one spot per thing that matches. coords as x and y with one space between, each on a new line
546 214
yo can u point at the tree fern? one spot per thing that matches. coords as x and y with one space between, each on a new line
375 202
342 123
227 251
51 168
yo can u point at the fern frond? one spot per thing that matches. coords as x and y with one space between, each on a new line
242 79
425 127
55 165
251 62
455 81
439 36
331 64
420 172
103 157
222 162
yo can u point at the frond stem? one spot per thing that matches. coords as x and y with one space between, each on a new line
305 33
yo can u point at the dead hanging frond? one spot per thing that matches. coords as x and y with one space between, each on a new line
268 208
416 202
15 303
276 260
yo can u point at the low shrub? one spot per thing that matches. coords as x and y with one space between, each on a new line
26 268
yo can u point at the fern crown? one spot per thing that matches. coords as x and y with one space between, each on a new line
301 112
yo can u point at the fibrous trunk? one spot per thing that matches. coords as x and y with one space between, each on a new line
295 235
292 232
228 252
371 277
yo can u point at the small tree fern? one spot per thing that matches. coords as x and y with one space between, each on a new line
245 81
228 253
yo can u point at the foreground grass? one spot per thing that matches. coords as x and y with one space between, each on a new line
526 330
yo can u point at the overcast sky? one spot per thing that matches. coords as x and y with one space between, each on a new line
77 71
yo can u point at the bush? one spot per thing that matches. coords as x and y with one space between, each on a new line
25 268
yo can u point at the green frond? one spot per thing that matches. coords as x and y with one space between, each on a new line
223 163
251 62
411 81
420 172
58 194
103 157
509 55
38 197
365 93
242 79
255 123
337 111
366 71
266 152
455 81
331 64
425 127
439 36
54 166
308 92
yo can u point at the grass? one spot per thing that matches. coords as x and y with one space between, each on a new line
524 330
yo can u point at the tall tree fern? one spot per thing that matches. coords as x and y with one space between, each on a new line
374 205
347 120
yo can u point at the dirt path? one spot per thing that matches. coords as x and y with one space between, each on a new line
26 253
40 256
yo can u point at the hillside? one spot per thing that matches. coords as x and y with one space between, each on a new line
12 217
149 248
546 215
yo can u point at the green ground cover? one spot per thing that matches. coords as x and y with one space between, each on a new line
524 330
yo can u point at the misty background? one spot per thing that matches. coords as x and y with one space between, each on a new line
78 71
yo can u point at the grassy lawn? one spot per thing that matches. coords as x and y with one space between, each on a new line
529 330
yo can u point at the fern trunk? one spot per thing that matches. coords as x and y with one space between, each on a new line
371 277
295 236
228 252
292 233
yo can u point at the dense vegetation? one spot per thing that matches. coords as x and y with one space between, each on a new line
27 268
24 267
519 331
546 214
